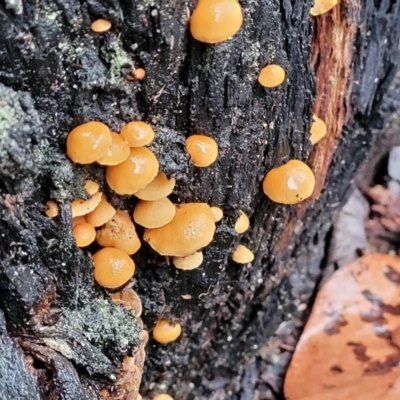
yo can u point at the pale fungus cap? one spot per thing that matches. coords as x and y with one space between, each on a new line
166 331
242 255
119 232
189 262
135 173
117 153
88 142
138 74
82 207
78 220
271 76
203 150
129 299
242 223
318 130
154 214
101 214
137 133
214 21
191 229
52 209
163 396
217 213
322 6
84 234
91 187
101 25
112 267
161 186
290 183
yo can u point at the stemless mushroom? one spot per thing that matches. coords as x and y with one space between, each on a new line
101 214
161 186
189 262
322 6
271 76
154 214
82 207
318 130
101 25
203 150
137 133
217 213
242 223
84 234
166 331
52 209
242 255
117 153
163 396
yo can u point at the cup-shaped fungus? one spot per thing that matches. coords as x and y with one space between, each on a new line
52 209
88 142
214 21
78 220
129 299
117 153
290 183
137 133
163 396
322 6
217 213
101 214
112 267
119 232
82 207
84 234
91 187
242 223
101 25
135 173
189 262
203 150
161 186
271 76
242 255
318 130
191 229
154 214
166 331
138 74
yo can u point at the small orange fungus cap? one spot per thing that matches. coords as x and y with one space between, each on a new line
133 174
163 396
322 6
119 232
166 331
101 214
82 207
137 133
88 142
101 25
203 150
271 76
117 153
52 209
161 186
91 187
318 130
191 229
242 223
347 347
217 213
129 299
290 183
189 262
112 267
78 220
84 234
154 214
242 255
214 21
138 74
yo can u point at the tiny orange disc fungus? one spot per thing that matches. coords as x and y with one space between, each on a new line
189 262
101 25
91 187
242 255
52 209
271 76
166 331
84 234
318 130
217 213
117 152
242 223
203 150
322 6
137 133
214 21
154 214
163 396
161 186
290 183
138 74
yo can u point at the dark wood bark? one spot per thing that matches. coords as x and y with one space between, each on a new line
241 322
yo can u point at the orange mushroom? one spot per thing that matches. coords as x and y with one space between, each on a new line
165 331
242 223
189 262
129 299
318 130
322 6
78 220
117 153
271 76
290 183
214 21
138 74
137 133
154 214
163 396
242 255
161 186
203 150
82 207
52 209
101 214
84 234
217 213
101 25
91 187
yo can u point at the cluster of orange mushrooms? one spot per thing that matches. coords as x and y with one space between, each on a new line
179 231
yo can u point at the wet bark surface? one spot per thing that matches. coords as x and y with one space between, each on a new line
242 322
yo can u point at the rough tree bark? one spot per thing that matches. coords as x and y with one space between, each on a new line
241 323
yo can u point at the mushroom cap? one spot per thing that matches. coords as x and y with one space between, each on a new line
82 207
52 209
117 153
78 220
214 21
129 299
137 133
154 214
166 332
119 232
161 186
217 213
88 142
242 255
84 234
203 150
318 130
138 74
101 214
322 6
271 76
135 173
91 187
290 183
189 262
191 229
163 396
101 25
242 223
112 267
